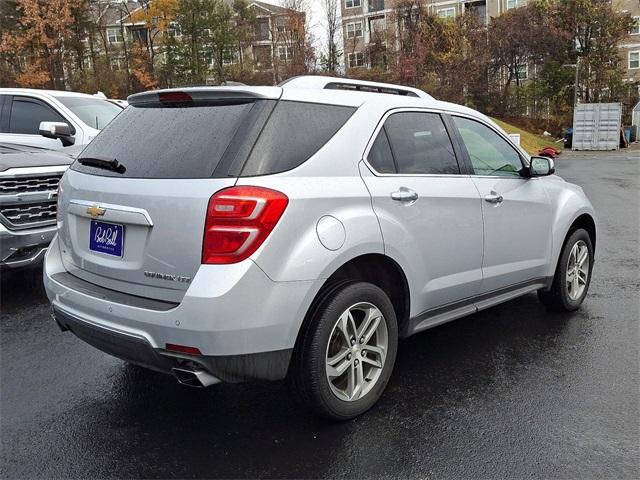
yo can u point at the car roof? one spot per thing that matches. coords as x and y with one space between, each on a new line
37 91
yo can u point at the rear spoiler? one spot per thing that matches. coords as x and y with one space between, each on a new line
204 95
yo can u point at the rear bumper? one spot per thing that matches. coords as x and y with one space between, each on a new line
134 349
24 248
245 329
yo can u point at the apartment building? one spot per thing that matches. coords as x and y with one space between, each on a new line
368 24
278 32
630 47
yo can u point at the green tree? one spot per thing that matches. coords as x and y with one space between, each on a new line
205 34
596 29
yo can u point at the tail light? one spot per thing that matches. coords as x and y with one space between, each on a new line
239 219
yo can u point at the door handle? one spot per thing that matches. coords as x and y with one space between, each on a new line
493 197
404 195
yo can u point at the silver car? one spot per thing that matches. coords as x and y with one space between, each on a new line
243 233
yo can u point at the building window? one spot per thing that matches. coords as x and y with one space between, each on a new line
354 30
356 60
513 4
282 24
634 59
174 30
285 53
117 63
447 12
522 71
352 3
635 29
114 35
229 56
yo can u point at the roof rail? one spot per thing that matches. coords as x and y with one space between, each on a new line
337 83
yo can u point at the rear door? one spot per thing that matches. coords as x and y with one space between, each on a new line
429 209
516 210
138 228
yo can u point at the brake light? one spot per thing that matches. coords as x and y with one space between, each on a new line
239 219
171 97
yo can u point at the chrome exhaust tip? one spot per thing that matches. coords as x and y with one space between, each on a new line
194 378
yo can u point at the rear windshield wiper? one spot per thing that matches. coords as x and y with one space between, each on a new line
105 163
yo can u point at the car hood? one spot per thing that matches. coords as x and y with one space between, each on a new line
17 156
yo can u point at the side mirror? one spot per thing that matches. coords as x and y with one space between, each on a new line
541 166
57 130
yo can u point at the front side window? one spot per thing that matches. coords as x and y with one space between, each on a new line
420 145
634 59
490 154
26 115
635 28
352 3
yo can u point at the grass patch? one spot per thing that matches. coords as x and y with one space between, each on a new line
531 142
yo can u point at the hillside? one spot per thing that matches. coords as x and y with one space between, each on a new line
531 142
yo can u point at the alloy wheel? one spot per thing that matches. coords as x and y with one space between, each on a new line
356 352
577 270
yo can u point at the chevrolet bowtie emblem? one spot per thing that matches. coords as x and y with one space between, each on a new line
95 211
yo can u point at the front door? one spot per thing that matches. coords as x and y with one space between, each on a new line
516 210
22 122
429 212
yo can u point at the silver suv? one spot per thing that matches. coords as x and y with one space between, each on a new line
241 233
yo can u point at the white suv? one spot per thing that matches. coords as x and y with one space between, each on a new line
68 118
239 233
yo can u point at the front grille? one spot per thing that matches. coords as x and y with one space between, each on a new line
21 215
41 183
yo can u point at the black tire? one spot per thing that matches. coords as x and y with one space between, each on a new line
307 374
557 297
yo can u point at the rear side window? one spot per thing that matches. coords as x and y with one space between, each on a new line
294 132
380 156
167 142
420 144
26 115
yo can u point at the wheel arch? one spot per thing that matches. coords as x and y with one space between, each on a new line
586 222
376 268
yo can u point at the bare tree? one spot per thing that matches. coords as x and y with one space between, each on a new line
332 24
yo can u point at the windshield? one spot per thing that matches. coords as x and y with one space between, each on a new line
94 112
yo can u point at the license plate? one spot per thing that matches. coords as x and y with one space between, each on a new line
106 238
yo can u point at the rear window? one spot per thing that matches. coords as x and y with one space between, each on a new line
294 132
214 140
167 142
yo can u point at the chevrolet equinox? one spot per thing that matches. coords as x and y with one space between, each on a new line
226 234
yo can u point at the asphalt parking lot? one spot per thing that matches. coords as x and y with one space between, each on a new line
511 392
